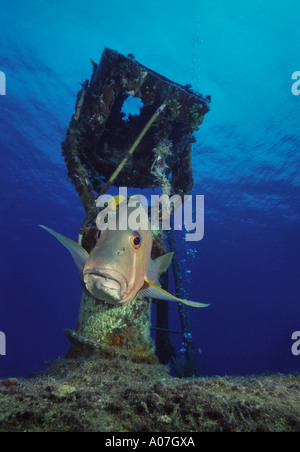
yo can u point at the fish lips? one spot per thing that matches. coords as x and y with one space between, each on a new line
108 281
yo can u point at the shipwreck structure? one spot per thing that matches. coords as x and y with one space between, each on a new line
98 139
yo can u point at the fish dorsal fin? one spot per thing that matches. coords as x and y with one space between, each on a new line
113 202
79 254
158 266
152 291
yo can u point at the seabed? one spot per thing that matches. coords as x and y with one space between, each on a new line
110 380
113 394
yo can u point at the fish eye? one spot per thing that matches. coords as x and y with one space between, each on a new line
136 240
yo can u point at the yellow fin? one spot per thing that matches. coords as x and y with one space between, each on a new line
152 291
114 202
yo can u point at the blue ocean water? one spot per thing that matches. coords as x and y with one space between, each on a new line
246 164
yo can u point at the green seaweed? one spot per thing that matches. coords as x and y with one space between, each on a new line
196 115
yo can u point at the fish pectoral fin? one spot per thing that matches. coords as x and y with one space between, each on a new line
158 266
79 254
152 291
164 262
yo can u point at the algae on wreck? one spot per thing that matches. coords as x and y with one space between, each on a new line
117 395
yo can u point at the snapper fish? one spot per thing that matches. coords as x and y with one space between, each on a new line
119 267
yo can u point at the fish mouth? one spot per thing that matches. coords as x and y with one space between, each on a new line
110 282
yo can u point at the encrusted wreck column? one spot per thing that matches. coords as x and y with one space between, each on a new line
112 330
98 138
